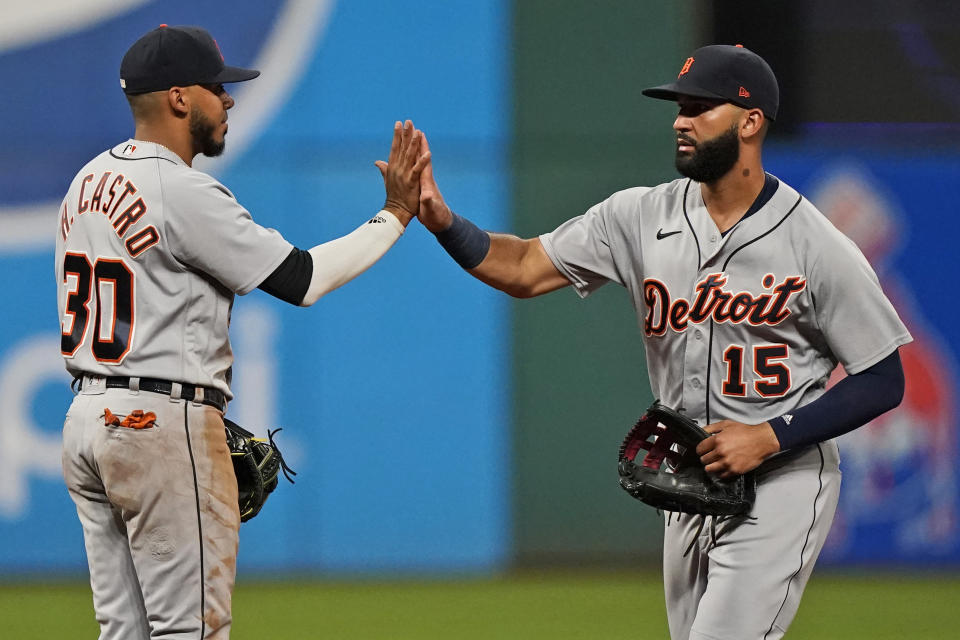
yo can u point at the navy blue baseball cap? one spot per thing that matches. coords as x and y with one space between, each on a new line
725 72
176 57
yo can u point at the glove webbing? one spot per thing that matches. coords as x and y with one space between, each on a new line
638 438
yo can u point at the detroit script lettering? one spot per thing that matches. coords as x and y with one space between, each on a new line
713 301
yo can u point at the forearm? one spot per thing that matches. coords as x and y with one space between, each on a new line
503 266
851 403
338 261
506 262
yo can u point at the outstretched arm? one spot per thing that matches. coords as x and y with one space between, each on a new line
517 266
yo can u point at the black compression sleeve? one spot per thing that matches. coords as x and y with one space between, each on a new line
291 279
852 402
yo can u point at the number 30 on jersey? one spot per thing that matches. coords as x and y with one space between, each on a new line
107 283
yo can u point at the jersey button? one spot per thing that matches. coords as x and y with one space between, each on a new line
698 334
713 238
696 383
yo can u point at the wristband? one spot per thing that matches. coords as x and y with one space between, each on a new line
466 243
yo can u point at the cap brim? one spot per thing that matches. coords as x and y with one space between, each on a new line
672 90
235 74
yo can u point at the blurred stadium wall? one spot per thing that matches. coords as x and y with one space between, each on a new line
437 426
582 130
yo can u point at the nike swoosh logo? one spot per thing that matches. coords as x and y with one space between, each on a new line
661 235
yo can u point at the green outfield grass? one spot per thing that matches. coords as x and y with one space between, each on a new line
546 605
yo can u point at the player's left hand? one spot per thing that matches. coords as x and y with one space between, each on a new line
736 448
401 173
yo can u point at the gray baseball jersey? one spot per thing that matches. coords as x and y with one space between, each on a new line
149 255
745 326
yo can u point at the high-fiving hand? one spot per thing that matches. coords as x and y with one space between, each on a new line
434 213
402 171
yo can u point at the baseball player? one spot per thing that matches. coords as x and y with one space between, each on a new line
748 298
149 255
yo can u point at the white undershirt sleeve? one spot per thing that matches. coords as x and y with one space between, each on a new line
337 262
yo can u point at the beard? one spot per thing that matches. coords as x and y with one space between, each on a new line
711 159
201 130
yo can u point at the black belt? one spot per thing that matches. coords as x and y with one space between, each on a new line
188 392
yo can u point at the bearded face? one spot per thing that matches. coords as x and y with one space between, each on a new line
711 159
202 131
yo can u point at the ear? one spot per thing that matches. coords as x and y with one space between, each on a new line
179 100
751 123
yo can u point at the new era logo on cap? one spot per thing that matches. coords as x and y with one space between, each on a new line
744 93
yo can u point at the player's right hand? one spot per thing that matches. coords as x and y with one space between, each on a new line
401 173
434 213
735 448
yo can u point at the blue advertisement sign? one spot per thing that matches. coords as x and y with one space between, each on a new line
899 500
388 388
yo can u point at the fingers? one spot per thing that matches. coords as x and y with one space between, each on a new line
716 427
709 457
408 174
706 445
425 150
428 187
718 469
421 163
426 175
404 151
409 150
730 453
413 153
401 174
409 140
712 460
715 463
395 145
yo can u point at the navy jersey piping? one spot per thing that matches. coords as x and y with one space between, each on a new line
113 155
765 233
689 224
770 186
